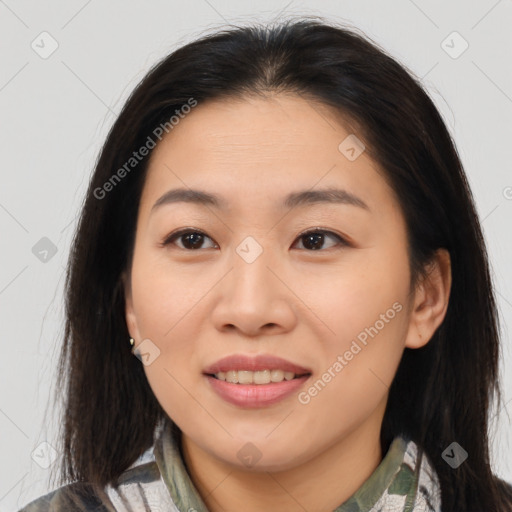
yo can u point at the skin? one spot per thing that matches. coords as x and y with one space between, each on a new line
300 304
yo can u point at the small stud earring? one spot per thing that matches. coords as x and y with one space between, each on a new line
132 341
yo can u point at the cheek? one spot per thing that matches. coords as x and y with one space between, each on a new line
162 296
364 307
164 315
359 365
348 299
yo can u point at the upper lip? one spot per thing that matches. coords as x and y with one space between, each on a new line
254 363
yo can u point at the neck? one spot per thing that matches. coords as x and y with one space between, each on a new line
321 484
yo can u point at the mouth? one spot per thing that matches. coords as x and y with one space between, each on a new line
260 377
255 381
255 369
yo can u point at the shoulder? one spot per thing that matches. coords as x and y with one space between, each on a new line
131 487
83 496
74 497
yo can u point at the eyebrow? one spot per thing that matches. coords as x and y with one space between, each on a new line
292 200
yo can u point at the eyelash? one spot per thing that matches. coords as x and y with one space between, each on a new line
178 234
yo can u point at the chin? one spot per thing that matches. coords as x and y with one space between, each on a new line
270 464
260 454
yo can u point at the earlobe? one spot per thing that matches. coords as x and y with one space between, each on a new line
431 300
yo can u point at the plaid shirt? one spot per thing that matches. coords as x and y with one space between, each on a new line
158 481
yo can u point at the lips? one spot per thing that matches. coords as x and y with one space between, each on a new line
254 363
254 395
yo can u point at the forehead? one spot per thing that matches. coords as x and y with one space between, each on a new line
258 151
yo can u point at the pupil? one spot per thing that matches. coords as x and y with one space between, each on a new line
192 237
316 238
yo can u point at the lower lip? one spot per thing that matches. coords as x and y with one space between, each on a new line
255 395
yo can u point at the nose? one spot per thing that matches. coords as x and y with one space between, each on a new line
254 299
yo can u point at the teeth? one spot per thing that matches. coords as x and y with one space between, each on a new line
244 377
259 377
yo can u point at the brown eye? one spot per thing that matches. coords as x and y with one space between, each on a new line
314 240
190 239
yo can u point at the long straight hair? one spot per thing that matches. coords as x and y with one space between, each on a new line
441 393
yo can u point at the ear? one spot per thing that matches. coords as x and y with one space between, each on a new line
431 298
131 319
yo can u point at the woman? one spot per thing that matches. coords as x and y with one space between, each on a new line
280 228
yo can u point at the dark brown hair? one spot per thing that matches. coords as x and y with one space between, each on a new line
441 392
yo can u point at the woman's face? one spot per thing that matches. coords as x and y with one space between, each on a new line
246 280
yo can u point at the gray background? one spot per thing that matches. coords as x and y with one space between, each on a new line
56 111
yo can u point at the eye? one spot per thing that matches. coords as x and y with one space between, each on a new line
314 239
193 239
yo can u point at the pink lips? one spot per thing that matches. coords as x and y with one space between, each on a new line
255 363
255 395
